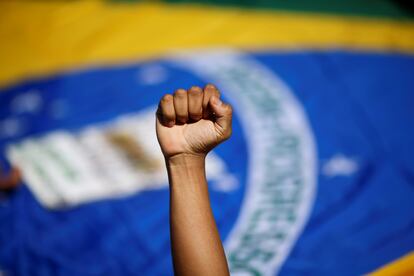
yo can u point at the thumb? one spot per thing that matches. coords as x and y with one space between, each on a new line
222 114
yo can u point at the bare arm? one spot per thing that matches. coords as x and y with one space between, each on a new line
203 124
196 244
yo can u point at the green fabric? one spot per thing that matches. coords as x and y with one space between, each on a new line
401 9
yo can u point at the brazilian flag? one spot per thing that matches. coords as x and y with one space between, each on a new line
317 179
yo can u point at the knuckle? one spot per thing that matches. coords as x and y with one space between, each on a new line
169 117
182 118
227 133
166 98
230 108
195 91
216 93
196 115
210 86
195 88
180 93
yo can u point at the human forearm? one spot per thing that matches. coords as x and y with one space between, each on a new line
189 125
194 234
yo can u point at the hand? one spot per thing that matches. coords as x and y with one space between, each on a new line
189 124
192 122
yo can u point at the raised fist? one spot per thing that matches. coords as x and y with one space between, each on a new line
193 121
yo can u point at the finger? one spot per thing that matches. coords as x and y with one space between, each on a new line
166 112
181 106
223 115
195 103
209 91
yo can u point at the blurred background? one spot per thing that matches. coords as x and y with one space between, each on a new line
317 179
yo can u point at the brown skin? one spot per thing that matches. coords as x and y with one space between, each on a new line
190 124
10 181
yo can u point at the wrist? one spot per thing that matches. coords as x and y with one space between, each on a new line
186 173
186 160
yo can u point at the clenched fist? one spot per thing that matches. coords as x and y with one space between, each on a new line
193 121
